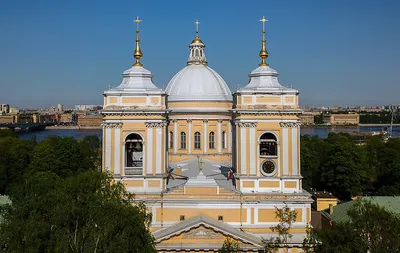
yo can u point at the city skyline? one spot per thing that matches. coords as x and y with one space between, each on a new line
335 52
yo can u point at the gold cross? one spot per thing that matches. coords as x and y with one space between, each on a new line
137 21
197 26
263 20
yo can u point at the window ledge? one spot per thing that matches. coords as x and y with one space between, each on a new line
268 156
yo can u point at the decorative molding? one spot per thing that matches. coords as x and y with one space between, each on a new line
174 120
155 124
201 233
111 124
290 124
247 124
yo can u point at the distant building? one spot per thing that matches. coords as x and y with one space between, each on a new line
66 118
88 107
7 119
323 200
4 108
307 120
90 120
13 110
60 108
342 119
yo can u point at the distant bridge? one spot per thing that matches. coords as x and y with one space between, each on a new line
25 127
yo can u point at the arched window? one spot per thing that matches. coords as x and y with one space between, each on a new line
171 139
197 139
183 140
223 139
211 140
133 155
268 145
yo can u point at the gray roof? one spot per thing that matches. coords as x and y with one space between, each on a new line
214 172
208 222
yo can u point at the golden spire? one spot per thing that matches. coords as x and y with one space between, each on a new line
138 53
263 53
197 39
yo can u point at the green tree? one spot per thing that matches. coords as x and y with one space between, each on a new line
91 148
345 171
86 212
371 229
286 219
63 156
229 246
14 158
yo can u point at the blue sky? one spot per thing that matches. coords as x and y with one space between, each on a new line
334 51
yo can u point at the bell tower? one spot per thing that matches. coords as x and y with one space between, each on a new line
134 128
267 132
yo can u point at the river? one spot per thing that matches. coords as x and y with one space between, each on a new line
320 131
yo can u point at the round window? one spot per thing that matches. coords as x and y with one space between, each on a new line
268 168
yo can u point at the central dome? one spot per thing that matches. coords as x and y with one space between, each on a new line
197 81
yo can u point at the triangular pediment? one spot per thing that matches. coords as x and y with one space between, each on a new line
203 231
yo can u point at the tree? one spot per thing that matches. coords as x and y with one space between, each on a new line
14 158
63 156
345 171
91 148
371 229
286 219
229 246
86 212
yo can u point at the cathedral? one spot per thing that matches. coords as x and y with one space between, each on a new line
209 164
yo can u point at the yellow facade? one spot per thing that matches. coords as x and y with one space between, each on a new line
207 169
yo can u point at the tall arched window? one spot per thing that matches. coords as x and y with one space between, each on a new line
268 145
211 140
133 155
183 140
223 139
197 138
171 139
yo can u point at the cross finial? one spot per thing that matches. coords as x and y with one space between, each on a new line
197 26
137 21
263 21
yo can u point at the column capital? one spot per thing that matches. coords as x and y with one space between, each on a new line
220 120
189 120
155 124
205 120
290 124
112 124
246 124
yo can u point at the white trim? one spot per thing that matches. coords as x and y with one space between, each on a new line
159 149
149 151
189 136
243 151
229 137
253 156
294 152
175 136
108 149
205 145
117 151
219 134
285 156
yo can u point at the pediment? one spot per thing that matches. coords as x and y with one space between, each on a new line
203 231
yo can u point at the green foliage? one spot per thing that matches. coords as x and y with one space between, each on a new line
86 212
344 167
7 133
62 156
286 218
371 229
319 119
90 147
229 246
14 158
